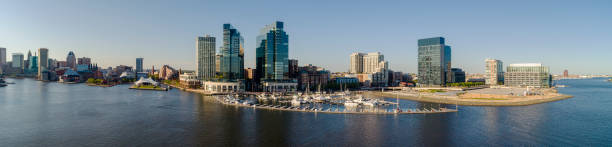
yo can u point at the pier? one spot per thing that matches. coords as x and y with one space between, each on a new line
335 111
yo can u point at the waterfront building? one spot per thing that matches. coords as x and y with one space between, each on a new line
494 72
293 69
43 57
167 72
312 76
249 79
70 60
345 80
565 73
2 56
217 87
84 60
205 55
434 62
272 53
528 75
232 60
356 65
457 75
189 80
272 59
139 64
17 60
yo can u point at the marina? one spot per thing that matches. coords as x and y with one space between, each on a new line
338 103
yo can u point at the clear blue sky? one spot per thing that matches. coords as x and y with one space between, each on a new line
572 35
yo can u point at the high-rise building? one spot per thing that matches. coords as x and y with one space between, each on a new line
494 72
84 61
33 66
565 73
356 63
139 64
232 62
218 64
206 58
368 63
17 60
434 62
43 58
528 75
2 56
293 68
272 53
70 60
27 62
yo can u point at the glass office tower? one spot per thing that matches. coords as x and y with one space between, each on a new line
272 53
139 64
434 62
232 60
205 56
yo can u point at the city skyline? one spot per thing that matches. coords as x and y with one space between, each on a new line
545 35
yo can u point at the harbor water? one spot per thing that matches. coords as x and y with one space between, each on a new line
34 113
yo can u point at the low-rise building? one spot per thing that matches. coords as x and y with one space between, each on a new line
528 75
215 87
189 80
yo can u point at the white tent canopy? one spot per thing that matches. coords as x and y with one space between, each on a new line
146 81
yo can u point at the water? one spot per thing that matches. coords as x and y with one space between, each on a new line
34 113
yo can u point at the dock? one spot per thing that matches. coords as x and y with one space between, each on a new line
336 111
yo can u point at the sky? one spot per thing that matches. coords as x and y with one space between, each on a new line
572 35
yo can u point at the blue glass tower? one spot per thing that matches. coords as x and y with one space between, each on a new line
272 53
434 62
232 62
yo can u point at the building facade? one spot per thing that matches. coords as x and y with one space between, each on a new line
368 63
17 61
528 75
43 58
312 76
293 69
232 60
494 72
84 61
139 64
434 62
272 63
2 56
205 55
457 75
356 65
70 60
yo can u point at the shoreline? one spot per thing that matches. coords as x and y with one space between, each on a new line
474 102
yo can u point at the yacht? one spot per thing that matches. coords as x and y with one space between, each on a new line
2 82
350 104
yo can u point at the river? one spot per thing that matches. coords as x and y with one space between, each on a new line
34 113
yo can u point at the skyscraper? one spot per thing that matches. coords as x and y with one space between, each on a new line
494 72
368 63
232 60
272 53
206 58
70 60
293 68
2 56
43 57
139 64
565 73
17 60
434 62
356 63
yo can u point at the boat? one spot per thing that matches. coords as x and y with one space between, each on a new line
350 104
2 82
